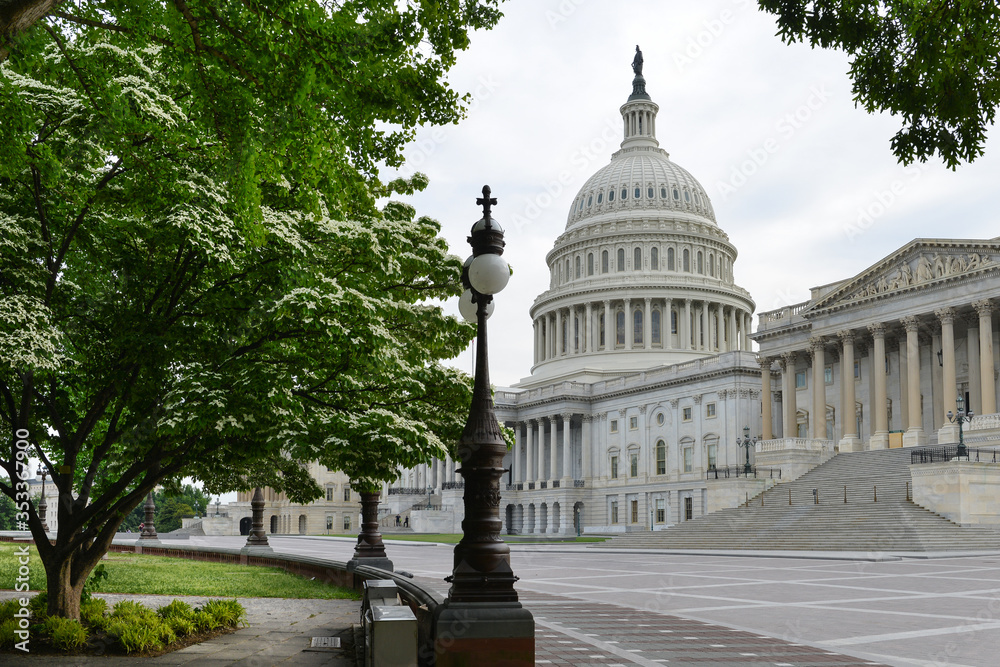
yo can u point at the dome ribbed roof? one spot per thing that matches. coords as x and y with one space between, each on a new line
673 187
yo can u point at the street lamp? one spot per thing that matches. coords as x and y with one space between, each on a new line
746 442
482 608
962 417
43 505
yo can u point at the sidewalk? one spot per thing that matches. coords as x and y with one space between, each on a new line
279 633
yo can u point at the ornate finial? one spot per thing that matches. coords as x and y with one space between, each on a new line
486 201
637 61
638 83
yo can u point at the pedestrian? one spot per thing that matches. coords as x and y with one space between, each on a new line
397 519
142 527
406 522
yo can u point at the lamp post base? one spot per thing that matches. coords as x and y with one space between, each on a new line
483 634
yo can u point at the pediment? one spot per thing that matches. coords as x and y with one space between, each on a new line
920 264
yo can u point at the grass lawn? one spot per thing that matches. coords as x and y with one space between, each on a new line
159 575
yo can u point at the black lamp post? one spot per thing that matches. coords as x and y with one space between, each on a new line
43 505
962 417
482 621
746 442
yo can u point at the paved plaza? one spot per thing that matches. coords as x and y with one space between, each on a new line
609 607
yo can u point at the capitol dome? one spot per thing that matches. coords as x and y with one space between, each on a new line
642 276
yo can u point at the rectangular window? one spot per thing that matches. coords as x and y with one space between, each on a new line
329 493
633 423
633 465
347 522
712 455
614 511
710 410
688 458
347 494
614 466
661 458
634 507
661 512
800 379
688 509
857 370
329 522
614 425
686 414
828 375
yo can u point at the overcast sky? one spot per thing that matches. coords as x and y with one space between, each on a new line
826 201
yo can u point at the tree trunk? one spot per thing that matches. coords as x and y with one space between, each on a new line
65 576
16 16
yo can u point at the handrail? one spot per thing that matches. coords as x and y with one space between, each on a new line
740 471
942 453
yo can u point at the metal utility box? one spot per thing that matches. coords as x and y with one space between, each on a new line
380 592
391 637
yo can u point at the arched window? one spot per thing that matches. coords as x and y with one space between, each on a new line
670 259
621 259
649 192
701 266
580 206
687 197
565 338
654 322
600 197
673 321
590 263
577 266
637 259
604 261
661 457
711 265
624 194
590 200
677 195
687 260
620 328
602 330
576 334
663 192
568 274
638 192
637 327
654 258
611 196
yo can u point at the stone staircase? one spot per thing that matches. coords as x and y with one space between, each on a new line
787 516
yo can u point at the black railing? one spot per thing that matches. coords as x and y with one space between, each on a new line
543 485
453 485
407 492
555 484
943 453
516 487
579 484
740 471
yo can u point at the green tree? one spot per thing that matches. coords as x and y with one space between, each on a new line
7 513
191 497
935 63
195 279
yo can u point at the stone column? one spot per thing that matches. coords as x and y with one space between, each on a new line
560 349
987 373
787 363
765 397
567 468
666 322
975 365
628 324
720 329
516 459
587 454
849 440
590 328
936 381
608 327
553 449
949 390
914 435
647 327
880 436
529 452
819 388
731 339
257 539
747 325
685 329
904 367
701 336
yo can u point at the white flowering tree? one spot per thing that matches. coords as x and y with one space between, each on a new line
194 277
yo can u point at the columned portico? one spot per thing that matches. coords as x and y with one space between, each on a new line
818 421
914 434
849 441
787 363
880 437
948 432
987 372
765 398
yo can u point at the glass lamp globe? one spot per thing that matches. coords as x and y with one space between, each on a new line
468 308
489 273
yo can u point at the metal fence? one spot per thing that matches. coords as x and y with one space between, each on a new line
943 453
740 471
